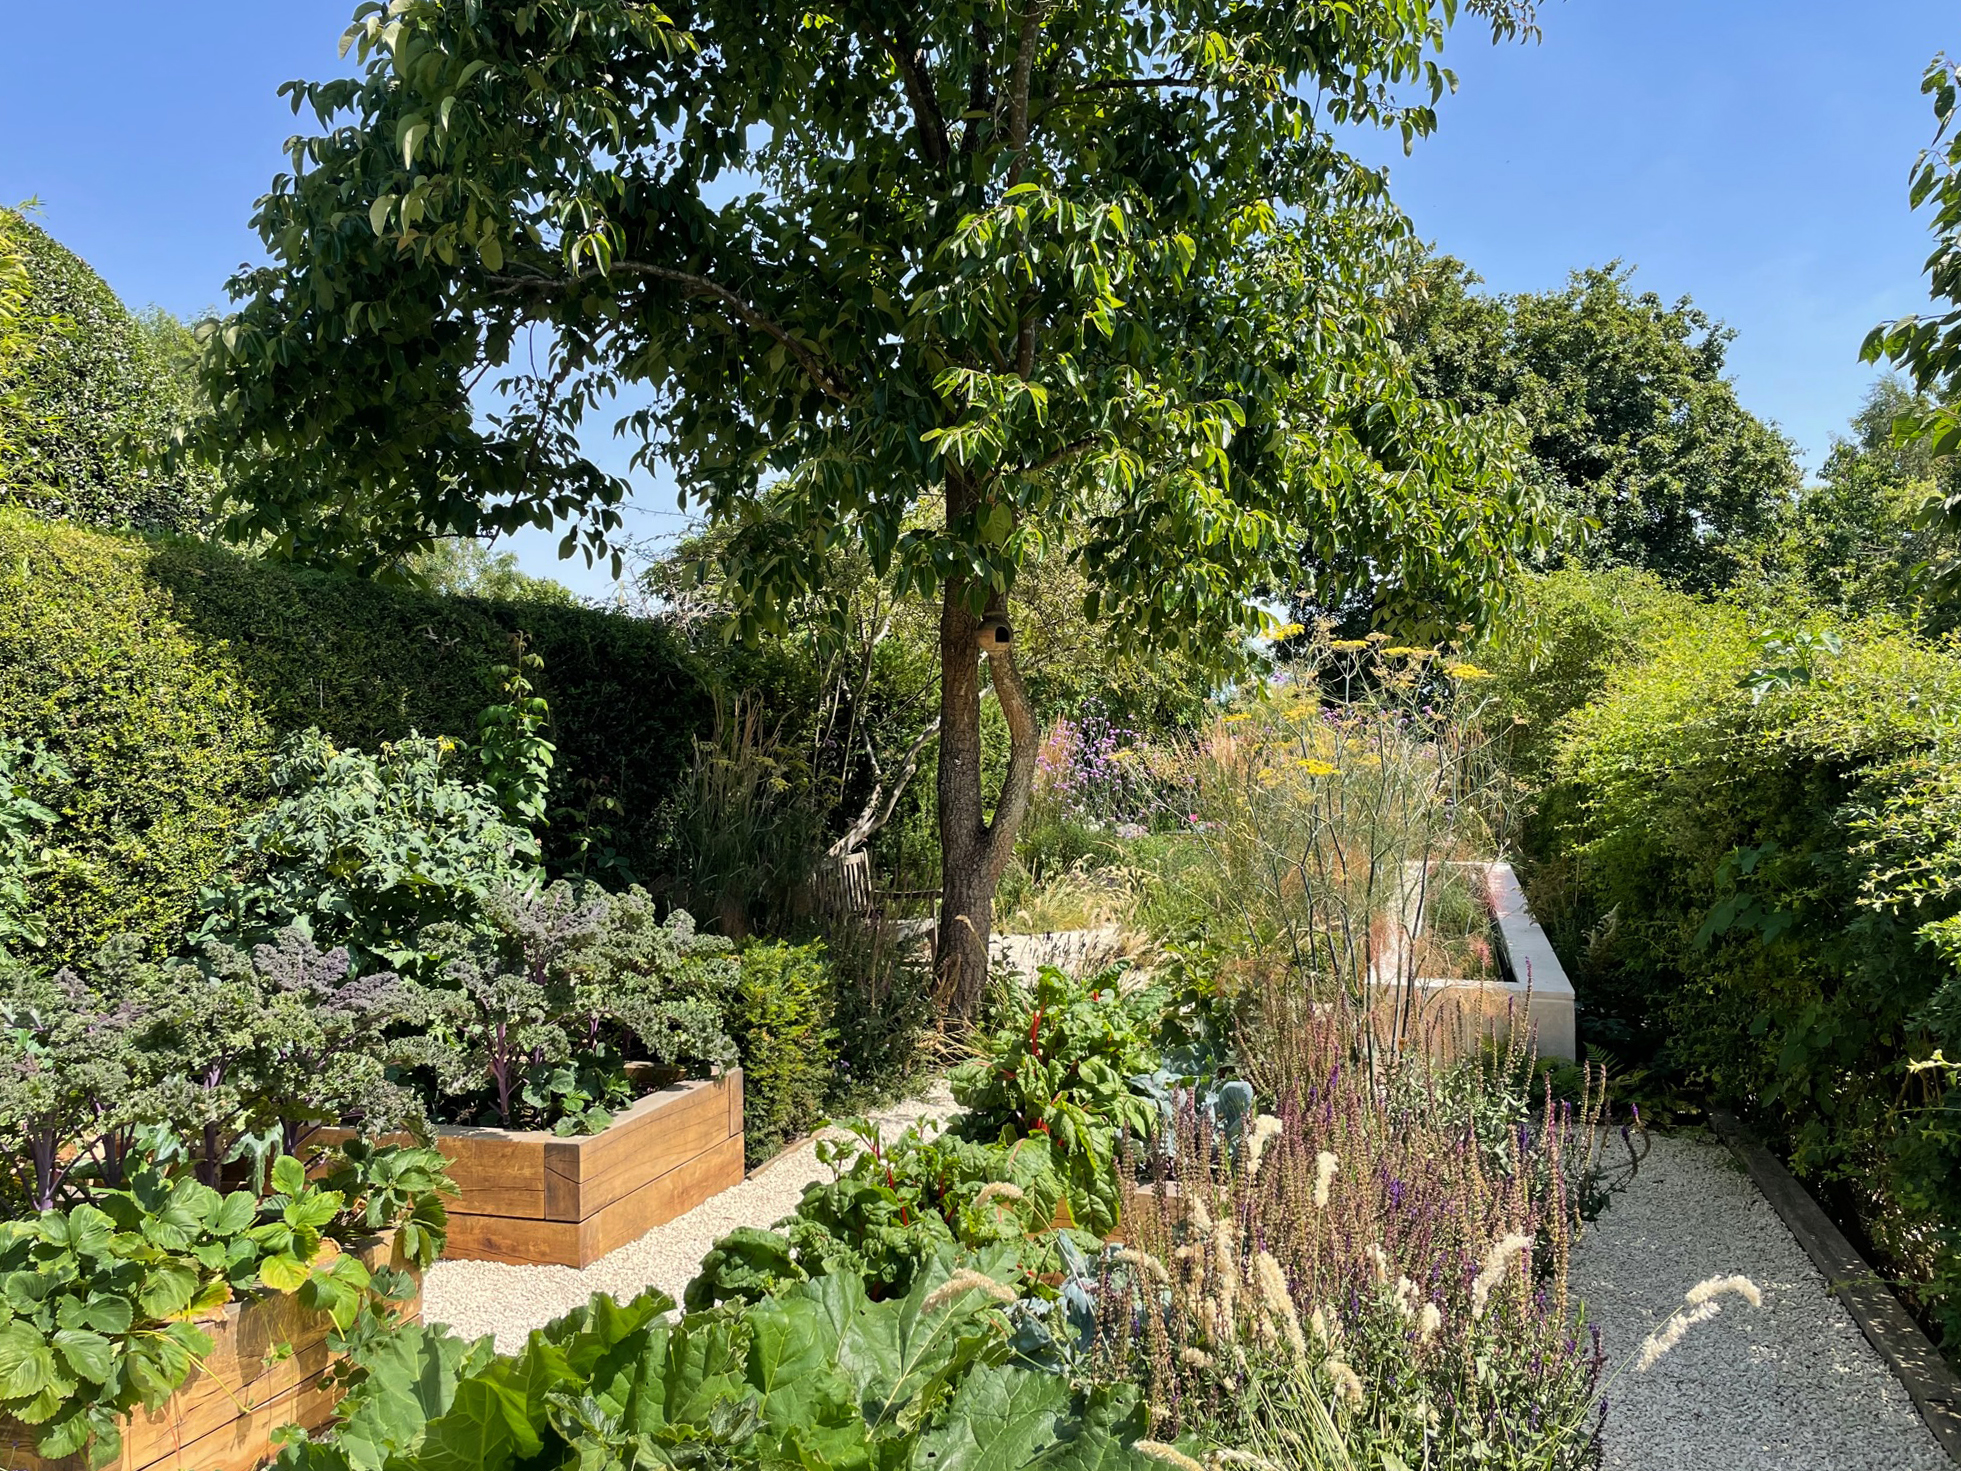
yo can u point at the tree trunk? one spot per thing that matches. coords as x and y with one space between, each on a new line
974 851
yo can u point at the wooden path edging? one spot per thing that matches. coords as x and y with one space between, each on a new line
1889 1328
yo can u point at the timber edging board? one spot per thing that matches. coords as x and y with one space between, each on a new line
1889 1328
267 1369
532 1199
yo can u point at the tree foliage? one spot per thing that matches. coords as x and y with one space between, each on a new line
1928 348
950 282
1635 430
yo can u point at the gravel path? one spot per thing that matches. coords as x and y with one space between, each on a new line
489 1297
1790 1386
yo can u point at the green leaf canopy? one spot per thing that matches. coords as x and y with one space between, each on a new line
954 281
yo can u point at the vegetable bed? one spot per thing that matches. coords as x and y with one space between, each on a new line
268 1368
531 1198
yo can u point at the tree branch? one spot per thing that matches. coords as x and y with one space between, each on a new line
919 92
697 286
1067 452
879 809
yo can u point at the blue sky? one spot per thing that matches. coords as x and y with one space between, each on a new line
1749 153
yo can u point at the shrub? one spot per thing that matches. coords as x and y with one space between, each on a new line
1749 854
881 1007
94 392
369 851
163 675
782 1022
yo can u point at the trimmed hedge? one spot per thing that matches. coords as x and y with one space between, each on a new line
163 672
97 386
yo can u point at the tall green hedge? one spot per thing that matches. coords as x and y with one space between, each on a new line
163 671
1750 849
93 388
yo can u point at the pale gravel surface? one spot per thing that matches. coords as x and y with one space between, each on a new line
489 1297
1790 1386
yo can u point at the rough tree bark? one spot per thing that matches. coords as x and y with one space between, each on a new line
974 849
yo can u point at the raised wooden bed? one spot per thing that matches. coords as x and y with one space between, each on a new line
267 1369
533 1198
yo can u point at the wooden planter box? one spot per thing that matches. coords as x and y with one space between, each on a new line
222 1418
532 1198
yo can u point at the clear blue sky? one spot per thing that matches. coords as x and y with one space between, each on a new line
1749 153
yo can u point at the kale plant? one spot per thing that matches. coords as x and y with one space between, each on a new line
71 1094
539 1014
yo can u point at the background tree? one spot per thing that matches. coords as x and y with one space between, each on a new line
1634 427
947 281
1929 348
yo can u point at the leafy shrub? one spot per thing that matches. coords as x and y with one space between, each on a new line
819 1377
782 1023
882 1004
1061 1065
91 395
97 1302
1749 856
164 674
369 851
24 850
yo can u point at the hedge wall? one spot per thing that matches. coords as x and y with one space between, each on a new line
1750 853
164 670
96 386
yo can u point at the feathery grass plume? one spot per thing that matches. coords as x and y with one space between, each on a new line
1326 1323
1227 1456
1325 1165
1429 1322
1347 1383
1144 1262
1195 1358
1673 1332
1201 1217
1714 1287
1406 1297
1379 1261
998 1190
962 1282
1157 1450
1279 1301
1496 1261
1266 1128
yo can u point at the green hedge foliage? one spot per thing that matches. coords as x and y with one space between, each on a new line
163 672
781 1023
1751 851
93 388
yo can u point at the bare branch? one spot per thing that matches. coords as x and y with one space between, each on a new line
878 811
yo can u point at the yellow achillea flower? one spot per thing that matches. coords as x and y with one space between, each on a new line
1348 645
1315 768
1467 671
1406 651
1237 715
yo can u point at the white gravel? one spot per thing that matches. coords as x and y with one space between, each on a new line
1790 1386
476 1298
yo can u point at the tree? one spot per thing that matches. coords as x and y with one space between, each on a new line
1635 431
1860 538
948 280
1929 348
